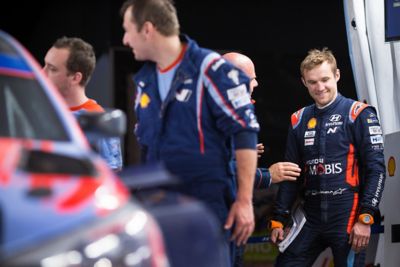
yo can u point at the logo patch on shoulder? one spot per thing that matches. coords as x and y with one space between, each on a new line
234 76
356 109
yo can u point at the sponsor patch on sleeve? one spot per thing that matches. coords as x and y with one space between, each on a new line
372 120
376 139
239 96
253 121
243 101
375 130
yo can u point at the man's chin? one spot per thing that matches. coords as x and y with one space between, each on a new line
322 102
138 57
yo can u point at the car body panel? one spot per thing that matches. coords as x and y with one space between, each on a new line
60 203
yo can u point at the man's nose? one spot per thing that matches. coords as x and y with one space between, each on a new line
124 40
320 86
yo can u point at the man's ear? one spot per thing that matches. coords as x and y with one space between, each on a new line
148 28
77 77
303 81
337 75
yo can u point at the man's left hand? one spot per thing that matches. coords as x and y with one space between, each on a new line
359 236
241 215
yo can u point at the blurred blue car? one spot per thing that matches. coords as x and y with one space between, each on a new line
61 205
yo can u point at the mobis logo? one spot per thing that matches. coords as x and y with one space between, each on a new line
318 167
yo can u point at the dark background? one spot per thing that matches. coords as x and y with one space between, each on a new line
275 34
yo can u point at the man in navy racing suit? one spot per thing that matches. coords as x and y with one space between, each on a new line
339 146
191 104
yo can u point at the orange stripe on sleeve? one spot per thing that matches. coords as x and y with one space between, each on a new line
353 213
352 168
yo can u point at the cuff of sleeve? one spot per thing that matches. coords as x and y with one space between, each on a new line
262 179
367 210
268 178
275 224
245 139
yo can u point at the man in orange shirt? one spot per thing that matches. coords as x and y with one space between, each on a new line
69 64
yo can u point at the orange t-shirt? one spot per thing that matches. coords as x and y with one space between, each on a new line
90 105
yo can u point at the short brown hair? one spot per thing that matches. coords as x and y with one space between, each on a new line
81 57
316 57
161 13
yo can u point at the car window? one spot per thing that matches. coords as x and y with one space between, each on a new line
26 111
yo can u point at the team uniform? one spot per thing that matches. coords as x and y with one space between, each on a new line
109 148
340 150
190 131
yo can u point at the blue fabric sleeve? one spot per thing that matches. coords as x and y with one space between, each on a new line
110 150
245 139
262 179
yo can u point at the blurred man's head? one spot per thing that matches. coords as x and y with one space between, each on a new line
144 19
70 62
245 64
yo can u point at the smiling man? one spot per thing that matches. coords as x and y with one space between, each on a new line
338 143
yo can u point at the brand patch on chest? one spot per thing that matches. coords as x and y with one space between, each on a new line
309 134
312 123
334 120
144 100
309 142
183 95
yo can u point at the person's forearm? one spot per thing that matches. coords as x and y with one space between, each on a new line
246 160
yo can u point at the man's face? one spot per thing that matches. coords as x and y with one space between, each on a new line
132 37
321 83
55 67
251 72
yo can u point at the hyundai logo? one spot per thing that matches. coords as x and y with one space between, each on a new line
335 118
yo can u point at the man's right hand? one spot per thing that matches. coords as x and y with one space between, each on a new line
277 235
284 171
260 149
